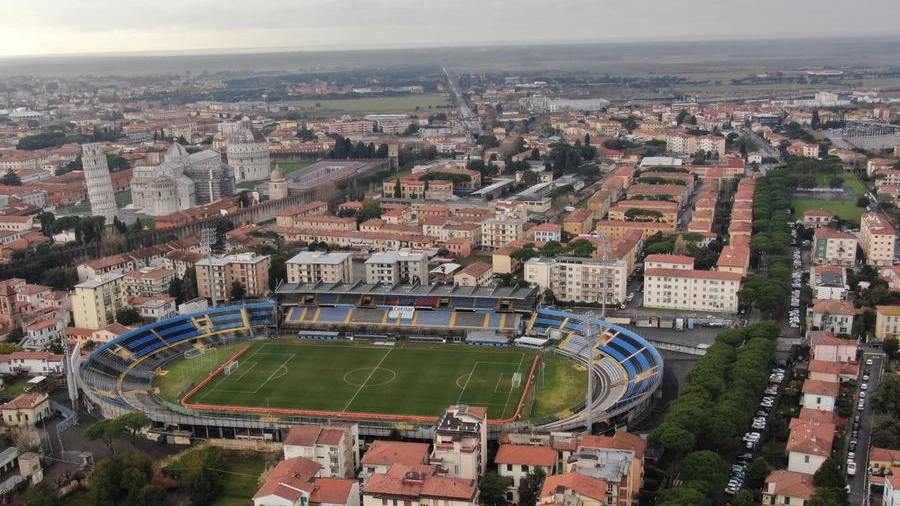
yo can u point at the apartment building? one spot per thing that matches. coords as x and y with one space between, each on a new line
315 266
96 301
833 247
335 448
616 230
578 279
215 277
638 209
877 239
474 274
419 486
148 282
578 222
396 266
286 218
734 258
685 143
497 233
833 315
887 322
382 455
546 232
460 442
667 261
577 489
691 290
618 460
829 282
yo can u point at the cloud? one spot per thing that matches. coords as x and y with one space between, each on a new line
42 26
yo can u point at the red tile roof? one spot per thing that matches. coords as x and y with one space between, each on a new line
694 274
789 484
526 455
580 483
332 491
395 452
290 479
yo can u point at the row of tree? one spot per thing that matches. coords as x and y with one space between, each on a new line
713 410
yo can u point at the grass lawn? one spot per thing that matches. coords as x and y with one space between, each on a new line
375 105
844 209
288 167
563 386
82 209
249 185
851 182
242 482
183 374
410 378
13 388
123 199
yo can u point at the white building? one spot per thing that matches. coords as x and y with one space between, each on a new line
315 266
891 496
833 315
99 182
248 153
691 290
517 461
877 238
392 267
460 442
580 279
809 444
820 395
297 482
382 455
833 247
829 282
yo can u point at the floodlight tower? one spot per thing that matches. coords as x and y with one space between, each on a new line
208 238
592 341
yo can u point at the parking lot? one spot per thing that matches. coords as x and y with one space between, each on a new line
754 436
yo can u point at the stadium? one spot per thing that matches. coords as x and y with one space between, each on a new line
387 357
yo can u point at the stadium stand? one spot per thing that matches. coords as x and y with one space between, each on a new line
118 371
630 367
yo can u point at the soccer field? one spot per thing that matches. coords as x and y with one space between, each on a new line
408 379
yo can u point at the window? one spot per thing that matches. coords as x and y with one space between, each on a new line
806 459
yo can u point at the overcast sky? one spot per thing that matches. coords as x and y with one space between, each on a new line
90 26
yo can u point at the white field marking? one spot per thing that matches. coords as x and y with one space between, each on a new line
245 371
472 372
500 379
358 390
283 364
506 405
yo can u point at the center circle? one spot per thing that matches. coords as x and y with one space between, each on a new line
369 376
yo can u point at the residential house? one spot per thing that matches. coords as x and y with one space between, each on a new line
809 444
296 482
577 489
516 461
829 282
382 455
419 486
834 315
820 395
834 247
334 447
787 488
825 346
887 322
474 274
26 410
315 266
877 238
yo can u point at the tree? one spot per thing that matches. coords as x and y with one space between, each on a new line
862 201
134 422
42 494
189 284
886 397
237 291
530 487
744 498
11 179
128 316
757 473
106 431
105 481
493 489
830 477
244 199
175 290
277 270
890 345
825 497
370 209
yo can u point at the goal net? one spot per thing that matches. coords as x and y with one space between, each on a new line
230 367
517 380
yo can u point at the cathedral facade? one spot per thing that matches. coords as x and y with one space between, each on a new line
181 181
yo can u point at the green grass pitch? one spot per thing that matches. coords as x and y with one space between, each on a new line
408 379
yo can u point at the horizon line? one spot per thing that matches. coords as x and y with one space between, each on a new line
224 51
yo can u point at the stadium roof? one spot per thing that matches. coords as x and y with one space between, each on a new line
504 292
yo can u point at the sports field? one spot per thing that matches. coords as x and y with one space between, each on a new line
414 379
371 105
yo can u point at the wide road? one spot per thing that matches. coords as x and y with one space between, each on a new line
858 482
470 122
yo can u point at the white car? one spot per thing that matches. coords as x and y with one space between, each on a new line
864 386
869 361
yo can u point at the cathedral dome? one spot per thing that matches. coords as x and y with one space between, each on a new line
176 152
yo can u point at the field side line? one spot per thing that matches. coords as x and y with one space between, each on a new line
471 373
501 379
506 405
358 390
272 375
244 373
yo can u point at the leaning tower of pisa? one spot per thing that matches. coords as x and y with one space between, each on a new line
99 182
